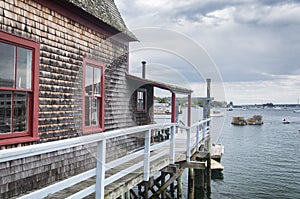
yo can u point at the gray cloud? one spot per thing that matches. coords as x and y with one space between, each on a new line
250 40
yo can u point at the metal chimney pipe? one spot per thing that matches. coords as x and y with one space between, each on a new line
144 69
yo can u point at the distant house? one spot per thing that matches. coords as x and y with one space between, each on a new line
63 74
161 108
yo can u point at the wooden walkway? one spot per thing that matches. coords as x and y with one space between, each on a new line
130 180
118 177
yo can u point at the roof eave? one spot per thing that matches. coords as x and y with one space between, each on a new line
172 88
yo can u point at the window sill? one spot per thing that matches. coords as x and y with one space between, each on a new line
18 140
92 130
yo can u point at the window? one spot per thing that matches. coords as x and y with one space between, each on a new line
141 99
19 59
93 97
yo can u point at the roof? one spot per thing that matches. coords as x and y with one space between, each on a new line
106 11
137 82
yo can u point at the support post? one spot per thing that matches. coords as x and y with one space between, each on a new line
172 145
203 126
172 187
147 155
208 82
146 195
199 183
197 138
188 147
163 181
179 187
208 174
208 141
173 111
189 110
100 169
191 184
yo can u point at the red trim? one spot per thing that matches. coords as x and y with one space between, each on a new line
173 112
32 134
100 127
18 140
75 13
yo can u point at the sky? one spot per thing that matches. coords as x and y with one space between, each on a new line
250 49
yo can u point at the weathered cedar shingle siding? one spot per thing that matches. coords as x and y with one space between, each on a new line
63 44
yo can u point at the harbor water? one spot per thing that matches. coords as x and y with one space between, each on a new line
260 161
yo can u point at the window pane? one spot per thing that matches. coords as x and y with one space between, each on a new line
87 111
97 81
5 111
20 112
7 60
95 119
24 63
140 100
88 80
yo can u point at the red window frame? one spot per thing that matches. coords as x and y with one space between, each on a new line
144 100
100 98
32 133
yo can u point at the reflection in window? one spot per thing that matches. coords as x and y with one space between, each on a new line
16 89
141 100
88 80
20 112
92 95
24 68
97 81
7 65
5 111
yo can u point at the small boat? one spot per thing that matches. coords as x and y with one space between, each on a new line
255 120
229 108
285 121
239 120
217 114
297 111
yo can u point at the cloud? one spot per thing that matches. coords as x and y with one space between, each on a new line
284 89
250 41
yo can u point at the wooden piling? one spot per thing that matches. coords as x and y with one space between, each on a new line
191 183
179 187
199 179
163 181
208 174
172 188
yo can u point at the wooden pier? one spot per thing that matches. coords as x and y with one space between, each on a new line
152 172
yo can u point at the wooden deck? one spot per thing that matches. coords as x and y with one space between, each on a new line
139 168
132 179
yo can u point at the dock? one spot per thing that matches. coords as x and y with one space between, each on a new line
148 172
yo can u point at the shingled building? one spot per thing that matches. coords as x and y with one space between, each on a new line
63 74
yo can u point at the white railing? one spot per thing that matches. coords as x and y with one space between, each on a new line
197 131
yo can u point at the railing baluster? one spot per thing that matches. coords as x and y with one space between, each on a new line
203 133
172 145
188 147
100 170
147 155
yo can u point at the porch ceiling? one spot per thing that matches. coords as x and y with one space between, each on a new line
138 81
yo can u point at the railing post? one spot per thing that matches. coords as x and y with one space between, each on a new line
197 137
100 170
147 155
203 133
172 145
188 147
